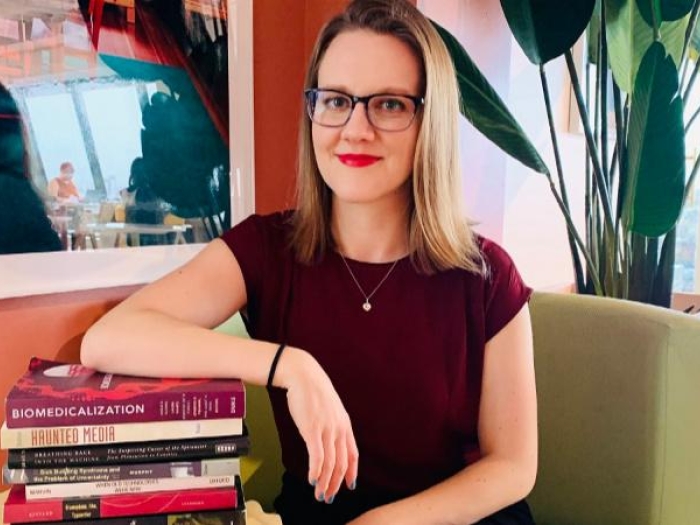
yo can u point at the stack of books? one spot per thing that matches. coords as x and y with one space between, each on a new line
109 449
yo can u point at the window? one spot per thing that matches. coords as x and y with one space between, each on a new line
101 132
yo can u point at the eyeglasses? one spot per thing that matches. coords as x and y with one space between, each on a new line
386 112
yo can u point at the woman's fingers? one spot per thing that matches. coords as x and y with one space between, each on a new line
353 461
314 445
340 468
323 423
329 458
333 457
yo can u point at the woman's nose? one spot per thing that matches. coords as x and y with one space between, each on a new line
358 126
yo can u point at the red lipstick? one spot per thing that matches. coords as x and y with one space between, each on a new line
356 160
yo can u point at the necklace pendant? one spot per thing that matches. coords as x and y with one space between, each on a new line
366 306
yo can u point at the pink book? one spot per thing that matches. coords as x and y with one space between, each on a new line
61 394
19 510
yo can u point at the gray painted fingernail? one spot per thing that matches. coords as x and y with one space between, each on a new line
331 500
353 485
321 497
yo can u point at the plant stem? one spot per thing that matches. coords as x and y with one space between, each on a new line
691 180
692 119
603 90
689 31
580 284
597 170
655 20
621 151
588 202
691 82
572 228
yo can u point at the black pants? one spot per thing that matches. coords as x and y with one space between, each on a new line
297 506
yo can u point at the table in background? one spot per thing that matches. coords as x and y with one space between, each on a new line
120 229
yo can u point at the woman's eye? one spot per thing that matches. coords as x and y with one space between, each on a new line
336 103
391 105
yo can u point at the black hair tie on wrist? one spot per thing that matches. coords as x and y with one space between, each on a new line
273 366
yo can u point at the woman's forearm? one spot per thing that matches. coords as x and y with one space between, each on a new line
478 491
149 343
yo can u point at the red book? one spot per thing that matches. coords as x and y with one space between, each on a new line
19 510
60 394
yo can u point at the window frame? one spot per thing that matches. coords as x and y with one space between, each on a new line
57 272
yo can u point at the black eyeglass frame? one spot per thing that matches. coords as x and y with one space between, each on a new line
311 96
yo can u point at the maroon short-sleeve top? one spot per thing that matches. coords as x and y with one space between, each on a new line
408 371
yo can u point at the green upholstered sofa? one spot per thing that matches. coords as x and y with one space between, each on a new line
619 415
618 388
262 468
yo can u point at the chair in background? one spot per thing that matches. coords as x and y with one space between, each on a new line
618 385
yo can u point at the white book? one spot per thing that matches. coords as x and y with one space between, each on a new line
124 486
69 436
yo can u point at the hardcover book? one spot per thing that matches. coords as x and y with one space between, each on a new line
19 510
209 517
91 489
126 432
59 394
122 453
102 473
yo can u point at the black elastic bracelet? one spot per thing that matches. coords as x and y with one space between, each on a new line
273 366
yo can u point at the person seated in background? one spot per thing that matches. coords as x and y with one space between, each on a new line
61 187
24 224
142 205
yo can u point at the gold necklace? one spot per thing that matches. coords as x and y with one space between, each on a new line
367 306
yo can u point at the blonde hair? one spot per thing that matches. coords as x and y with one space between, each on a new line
440 237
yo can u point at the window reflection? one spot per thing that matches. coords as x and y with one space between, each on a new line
147 162
108 109
57 137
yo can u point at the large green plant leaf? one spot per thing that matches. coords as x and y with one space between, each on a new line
482 106
656 147
629 37
545 29
668 10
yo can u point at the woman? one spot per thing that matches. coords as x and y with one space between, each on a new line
408 374
24 224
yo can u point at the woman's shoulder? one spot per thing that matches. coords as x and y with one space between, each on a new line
260 230
275 220
277 224
505 291
495 256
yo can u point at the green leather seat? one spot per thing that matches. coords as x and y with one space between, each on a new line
618 387
262 468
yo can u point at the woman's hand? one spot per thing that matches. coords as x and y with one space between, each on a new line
322 421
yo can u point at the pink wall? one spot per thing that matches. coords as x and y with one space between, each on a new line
512 204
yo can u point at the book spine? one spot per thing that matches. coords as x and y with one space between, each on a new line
157 406
124 433
123 453
120 505
218 517
102 473
127 486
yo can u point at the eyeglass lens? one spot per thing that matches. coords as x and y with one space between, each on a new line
385 112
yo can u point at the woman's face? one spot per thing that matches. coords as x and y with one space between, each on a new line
359 163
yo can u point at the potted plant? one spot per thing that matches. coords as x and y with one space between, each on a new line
636 181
